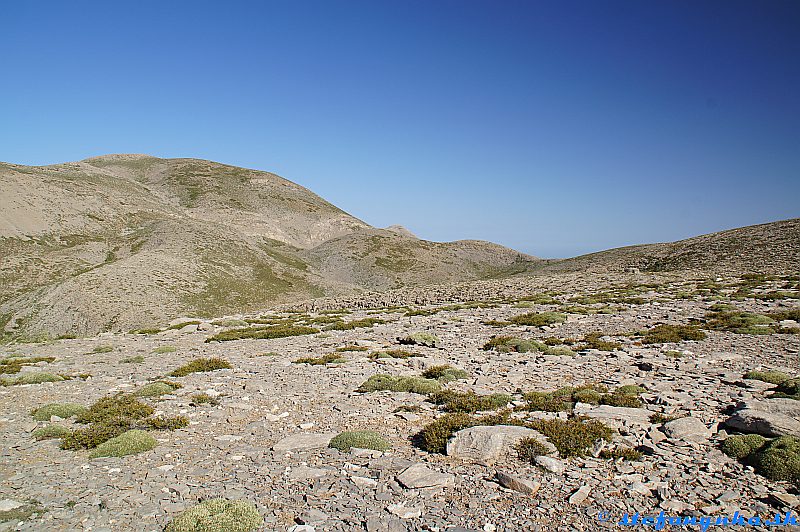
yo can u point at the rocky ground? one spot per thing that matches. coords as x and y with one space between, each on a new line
267 439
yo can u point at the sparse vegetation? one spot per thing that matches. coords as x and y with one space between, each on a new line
362 439
167 422
772 377
355 324
659 419
201 365
203 399
62 410
392 353
14 364
621 453
663 334
445 373
538 319
164 349
217 515
103 349
469 402
529 448
138 359
595 341
572 437
392 383
510 344
330 358
741 322
433 437
262 333
420 338
155 389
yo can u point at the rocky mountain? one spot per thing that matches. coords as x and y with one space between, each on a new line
128 241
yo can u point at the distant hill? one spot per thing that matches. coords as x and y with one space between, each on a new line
127 241
766 248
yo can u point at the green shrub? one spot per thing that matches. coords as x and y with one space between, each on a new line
355 324
621 399
510 344
138 359
95 434
624 453
741 446
392 383
33 377
573 437
346 348
779 459
538 319
445 373
51 432
362 439
529 448
62 410
201 365
740 322
420 338
218 515
663 334
262 333
130 442
659 419
393 353
789 389
161 350
594 341
204 398
103 349
330 358
433 437
630 389
773 377
469 402
587 395
113 408
559 351
154 389
167 422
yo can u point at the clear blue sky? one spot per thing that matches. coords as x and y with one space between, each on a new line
554 127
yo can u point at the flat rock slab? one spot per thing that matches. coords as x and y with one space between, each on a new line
768 424
420 476
687 429
303 442
637 416
513 482
485 445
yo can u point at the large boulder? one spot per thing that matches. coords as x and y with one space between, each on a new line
687 429
769 417
485 445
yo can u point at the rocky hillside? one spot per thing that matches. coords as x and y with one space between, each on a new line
772 248
120 242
